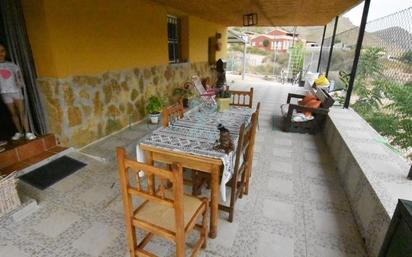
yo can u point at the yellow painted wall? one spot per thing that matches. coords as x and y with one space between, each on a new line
199 33
78 37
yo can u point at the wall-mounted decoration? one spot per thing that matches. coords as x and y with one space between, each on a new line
218 39
212 50
250 19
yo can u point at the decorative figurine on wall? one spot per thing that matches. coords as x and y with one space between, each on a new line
225 140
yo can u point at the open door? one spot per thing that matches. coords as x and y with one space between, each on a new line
13 35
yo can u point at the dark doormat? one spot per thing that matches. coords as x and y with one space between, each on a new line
52 172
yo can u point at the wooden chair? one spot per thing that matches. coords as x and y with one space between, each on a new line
171 113
165 212
207 96
242 98
237 182
254 122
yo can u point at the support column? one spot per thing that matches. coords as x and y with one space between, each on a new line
321 48
331 45
244 62
357 52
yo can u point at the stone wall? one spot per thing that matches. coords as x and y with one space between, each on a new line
82 109
373 176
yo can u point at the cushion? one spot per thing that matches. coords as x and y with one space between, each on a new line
310 101
300 117
296 117
312 104
306 99
164 216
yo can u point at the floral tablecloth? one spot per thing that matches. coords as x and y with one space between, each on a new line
196 133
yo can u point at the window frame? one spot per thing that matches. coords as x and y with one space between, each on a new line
173 39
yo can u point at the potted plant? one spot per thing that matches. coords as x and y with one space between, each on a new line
223 99
184 93
153 108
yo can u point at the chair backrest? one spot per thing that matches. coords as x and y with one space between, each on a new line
172 113
241 152
198 85
257 110
132 185
242 98
252 135
245 144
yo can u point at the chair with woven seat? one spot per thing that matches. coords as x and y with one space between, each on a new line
237 182
166 211
172 113
242 98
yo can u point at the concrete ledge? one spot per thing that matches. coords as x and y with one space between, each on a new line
373 175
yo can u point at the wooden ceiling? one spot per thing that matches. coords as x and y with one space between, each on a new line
270 12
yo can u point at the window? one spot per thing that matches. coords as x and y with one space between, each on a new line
173 38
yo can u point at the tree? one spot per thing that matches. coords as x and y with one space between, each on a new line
383 103
266 43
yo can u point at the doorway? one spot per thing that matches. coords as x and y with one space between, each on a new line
13 34
7 128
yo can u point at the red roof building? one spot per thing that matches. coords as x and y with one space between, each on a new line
278 38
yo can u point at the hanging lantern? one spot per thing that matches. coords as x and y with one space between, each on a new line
250 19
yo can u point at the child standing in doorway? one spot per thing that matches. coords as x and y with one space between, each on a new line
11 85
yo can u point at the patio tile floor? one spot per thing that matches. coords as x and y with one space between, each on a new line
296 206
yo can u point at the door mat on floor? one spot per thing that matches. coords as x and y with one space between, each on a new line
54 171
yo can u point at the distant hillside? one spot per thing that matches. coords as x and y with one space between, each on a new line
395 38
313 33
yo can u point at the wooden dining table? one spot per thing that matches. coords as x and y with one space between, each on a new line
190 141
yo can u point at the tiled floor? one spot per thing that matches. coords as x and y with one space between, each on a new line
296 206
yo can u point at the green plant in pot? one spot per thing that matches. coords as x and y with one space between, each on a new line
184 93
153 108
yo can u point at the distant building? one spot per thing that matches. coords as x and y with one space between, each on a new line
278 38
311 44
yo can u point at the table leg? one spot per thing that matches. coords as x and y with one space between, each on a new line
214 202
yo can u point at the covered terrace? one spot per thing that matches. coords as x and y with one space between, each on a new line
332 194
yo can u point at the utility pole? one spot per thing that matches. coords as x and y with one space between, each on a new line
244 61
245 39
275 48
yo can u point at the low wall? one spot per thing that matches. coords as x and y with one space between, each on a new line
82 109
373 176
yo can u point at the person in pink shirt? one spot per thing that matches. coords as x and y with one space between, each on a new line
11 85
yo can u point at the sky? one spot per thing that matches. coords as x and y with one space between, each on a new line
377 9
